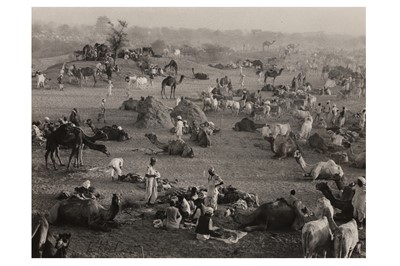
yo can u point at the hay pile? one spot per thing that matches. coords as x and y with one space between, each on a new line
190 112
153 114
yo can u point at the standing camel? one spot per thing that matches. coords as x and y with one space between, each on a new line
172 66
170 81
71 137
268 44
272 74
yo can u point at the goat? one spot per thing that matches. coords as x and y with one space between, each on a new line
316 235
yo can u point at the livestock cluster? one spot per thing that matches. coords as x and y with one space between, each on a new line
295 120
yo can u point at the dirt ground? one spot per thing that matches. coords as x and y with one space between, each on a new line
242 159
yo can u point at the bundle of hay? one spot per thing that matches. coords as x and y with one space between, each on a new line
130 104
190 112
153 114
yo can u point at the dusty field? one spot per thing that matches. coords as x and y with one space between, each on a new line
242 159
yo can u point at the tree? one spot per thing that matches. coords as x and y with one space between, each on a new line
158 46
117 36
101 26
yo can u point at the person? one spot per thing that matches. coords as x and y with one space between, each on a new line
74 117
241 81
327 110
244 98
99 67
362 119
173 218
184 207
102 113
86 191
214 181
204 225
109 71
110 86
151 183
60 82
342 117
319 111
116 166
128 85
179 127
335 112
358 201
258 96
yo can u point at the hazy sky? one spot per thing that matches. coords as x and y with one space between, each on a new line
346 20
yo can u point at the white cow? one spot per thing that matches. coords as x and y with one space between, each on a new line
177 52
306 128
41 78
141 81
207 103
235 108
275 130
300 114
248 107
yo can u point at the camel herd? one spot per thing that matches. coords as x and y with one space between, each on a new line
319 232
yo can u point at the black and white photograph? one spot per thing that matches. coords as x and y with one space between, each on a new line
198 132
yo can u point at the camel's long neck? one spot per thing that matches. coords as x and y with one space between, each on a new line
112 212
159 144
332 225
306 168
94 128
272 142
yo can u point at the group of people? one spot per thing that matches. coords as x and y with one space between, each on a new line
197 207
330 114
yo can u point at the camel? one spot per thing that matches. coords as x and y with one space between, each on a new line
174 147
247 125
274 215
170 81
358 161
88 72
113 132
345 206
201 76
271 215
272 73
200 135
44 243
283 146
85 213
71 137
321 170
268 44
172 66
129 104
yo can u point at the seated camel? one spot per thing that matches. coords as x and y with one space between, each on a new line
247 125
275 215
321 170
85 212
174 147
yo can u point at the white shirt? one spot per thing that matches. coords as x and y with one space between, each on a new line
212 181
179 127
116 162
151 170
